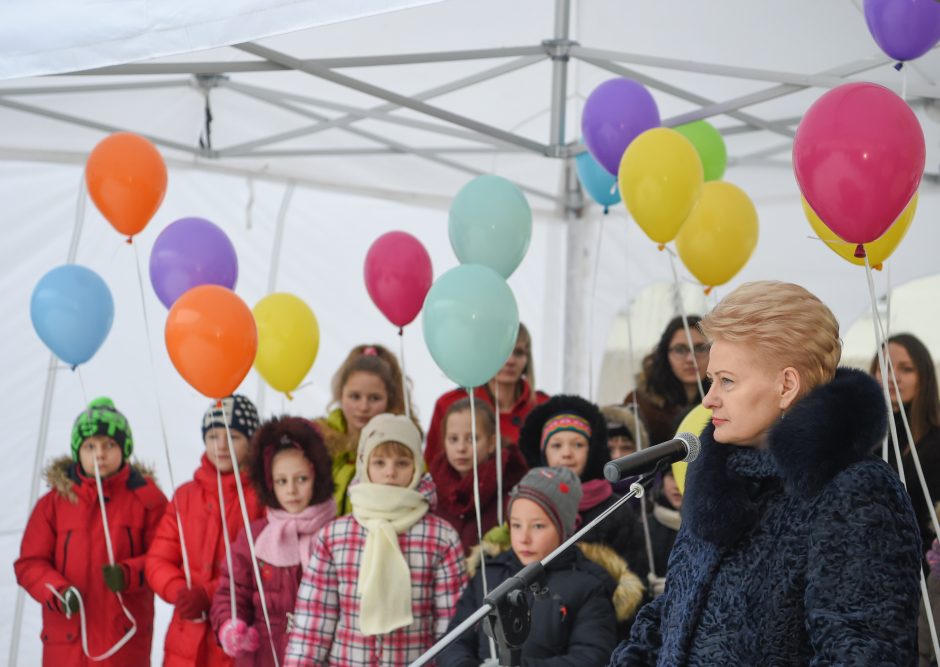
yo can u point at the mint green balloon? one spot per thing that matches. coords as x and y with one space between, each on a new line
710 146
470 322
490 224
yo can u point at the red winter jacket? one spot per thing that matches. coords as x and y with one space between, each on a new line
509 422
64 545
193 642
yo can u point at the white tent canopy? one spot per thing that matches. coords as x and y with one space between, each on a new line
321 138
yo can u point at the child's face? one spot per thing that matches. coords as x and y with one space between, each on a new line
531 532
671 491
363 397
620 445
217 448
103 449
292 475
458 443
567 449
391 469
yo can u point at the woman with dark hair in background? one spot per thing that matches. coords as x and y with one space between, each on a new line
668 386
917 384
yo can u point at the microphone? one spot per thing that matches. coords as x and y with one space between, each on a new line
684 447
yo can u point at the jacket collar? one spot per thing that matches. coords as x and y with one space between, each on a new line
834 426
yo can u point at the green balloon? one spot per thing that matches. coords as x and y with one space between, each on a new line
470 323
710 146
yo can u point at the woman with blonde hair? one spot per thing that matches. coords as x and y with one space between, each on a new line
797 546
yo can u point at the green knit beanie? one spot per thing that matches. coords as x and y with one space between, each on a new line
102 418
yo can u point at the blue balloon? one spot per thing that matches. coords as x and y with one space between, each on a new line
600 184
490 223
470 323
72 311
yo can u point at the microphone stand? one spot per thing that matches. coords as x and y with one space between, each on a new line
506 608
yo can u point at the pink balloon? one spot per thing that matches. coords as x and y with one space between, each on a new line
398 276
859 156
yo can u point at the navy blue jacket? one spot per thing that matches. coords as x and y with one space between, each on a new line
804 553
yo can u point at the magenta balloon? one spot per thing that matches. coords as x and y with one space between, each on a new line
188 253
398 276
859 156
904 29
615 113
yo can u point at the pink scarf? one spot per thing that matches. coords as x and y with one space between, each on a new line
288 538
595 491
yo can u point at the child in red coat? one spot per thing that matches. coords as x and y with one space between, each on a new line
189 640
64 557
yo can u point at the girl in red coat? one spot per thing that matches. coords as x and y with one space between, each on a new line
64 554
189 639
290 471
452 471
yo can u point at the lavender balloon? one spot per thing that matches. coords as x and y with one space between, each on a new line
615 113
188 253
904 29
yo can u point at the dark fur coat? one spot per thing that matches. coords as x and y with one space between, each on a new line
804 553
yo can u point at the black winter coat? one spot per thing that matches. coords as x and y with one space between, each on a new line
804 553
573 626
621 531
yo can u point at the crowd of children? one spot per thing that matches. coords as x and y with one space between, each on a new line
360 529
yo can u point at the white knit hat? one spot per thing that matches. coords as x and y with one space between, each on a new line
389 428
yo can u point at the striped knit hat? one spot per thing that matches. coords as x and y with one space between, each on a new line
565 422
555 490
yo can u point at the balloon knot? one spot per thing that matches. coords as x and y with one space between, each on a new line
289 397
401 331
606 210
898 65
859 251
129 240
218 404
878 266
661 246
708 290
73 367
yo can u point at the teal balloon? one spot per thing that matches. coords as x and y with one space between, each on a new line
72 311
470 322
490 224
599 183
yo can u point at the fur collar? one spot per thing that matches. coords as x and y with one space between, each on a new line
834 426
62 477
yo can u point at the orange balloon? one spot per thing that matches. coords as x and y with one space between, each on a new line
212 340
126 178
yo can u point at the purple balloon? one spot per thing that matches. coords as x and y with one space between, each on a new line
188 253
904 29
615 113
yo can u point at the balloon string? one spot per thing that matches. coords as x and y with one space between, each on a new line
226 539
404 373
592 306
685 322
499 459
81 383
251 541
156 396
476 500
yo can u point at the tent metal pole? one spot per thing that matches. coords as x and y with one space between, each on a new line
558 51
96 87
576 277
426 94
334 152
391 96
104 127
44 416
282 101
214 67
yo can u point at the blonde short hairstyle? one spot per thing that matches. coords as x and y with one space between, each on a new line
785 323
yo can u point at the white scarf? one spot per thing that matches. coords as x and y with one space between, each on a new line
384 576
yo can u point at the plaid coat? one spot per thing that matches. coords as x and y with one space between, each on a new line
326 619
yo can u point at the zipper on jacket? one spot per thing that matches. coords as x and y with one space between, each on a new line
130 538
65 550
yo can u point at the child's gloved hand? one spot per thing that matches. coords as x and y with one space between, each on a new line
114 577
192 603
237 638
70 605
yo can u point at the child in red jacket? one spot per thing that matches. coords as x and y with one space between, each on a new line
189 639
64 557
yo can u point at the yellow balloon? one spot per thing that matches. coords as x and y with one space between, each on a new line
288 340
660 179
694 422
720 234
878 250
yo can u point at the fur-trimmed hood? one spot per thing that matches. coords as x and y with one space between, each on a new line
530 437
61 476
835 425
625 414
628 594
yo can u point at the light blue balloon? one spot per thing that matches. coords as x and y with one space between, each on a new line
72 311
470 322
490 224
597 181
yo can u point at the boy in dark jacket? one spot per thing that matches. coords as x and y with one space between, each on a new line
575 623
64 556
